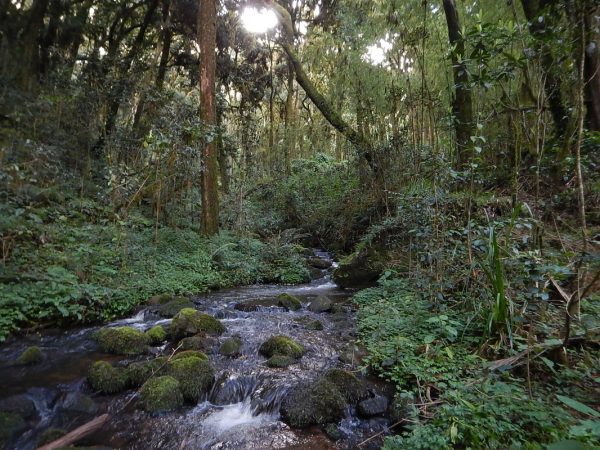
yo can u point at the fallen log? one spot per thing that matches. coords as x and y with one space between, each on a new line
77 433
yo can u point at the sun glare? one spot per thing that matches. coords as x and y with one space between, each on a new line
258 21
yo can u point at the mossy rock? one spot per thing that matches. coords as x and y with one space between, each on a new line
289 301
195 377
156 335
161 394
313 403
360 269
350 386
280 361
11 425
106 379
189 322
174 306
122 341
231 347
314 325
333 432
281 345
190 354
160 299
138 373
318 263
77 403
19 404
200 342
30 356
50 435
320 304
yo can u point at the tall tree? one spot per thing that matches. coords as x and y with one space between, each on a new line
462 104
207 40
592 63
540 15
358 139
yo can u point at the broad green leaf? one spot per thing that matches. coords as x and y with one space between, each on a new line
578 406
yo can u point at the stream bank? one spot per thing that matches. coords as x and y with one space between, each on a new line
241 410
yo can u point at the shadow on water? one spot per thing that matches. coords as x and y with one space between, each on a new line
242 409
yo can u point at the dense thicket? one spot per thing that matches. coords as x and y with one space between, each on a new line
452 146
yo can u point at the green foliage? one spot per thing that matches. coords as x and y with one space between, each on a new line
423 347
84 268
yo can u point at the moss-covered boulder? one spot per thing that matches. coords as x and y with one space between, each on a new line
122 340
320 304
347 383
289 301
190 354
160 299
189 322
138 373
11 425
195 377
360 269
19 404
50 435
281 345
76 403
199 342
174 306
231 347
161 394
311 403
30 356
106 379
156 335
280 361
319 263
314 325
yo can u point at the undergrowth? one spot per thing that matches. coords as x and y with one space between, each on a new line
68 263
433 352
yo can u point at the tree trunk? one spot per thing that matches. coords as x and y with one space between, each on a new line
117 94
533 11
592 66
80 21
289 119
462 104
167 36
207 27
32 33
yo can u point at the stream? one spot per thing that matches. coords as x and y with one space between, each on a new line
242 409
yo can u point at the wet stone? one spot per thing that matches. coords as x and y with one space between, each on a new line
374 406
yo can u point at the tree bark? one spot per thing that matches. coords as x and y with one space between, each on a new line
534 9
207 27
167 36
362 144
31 48
462 104
592 66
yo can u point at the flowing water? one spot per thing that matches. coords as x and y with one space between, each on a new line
242 409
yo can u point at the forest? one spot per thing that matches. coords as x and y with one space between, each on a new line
300 224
